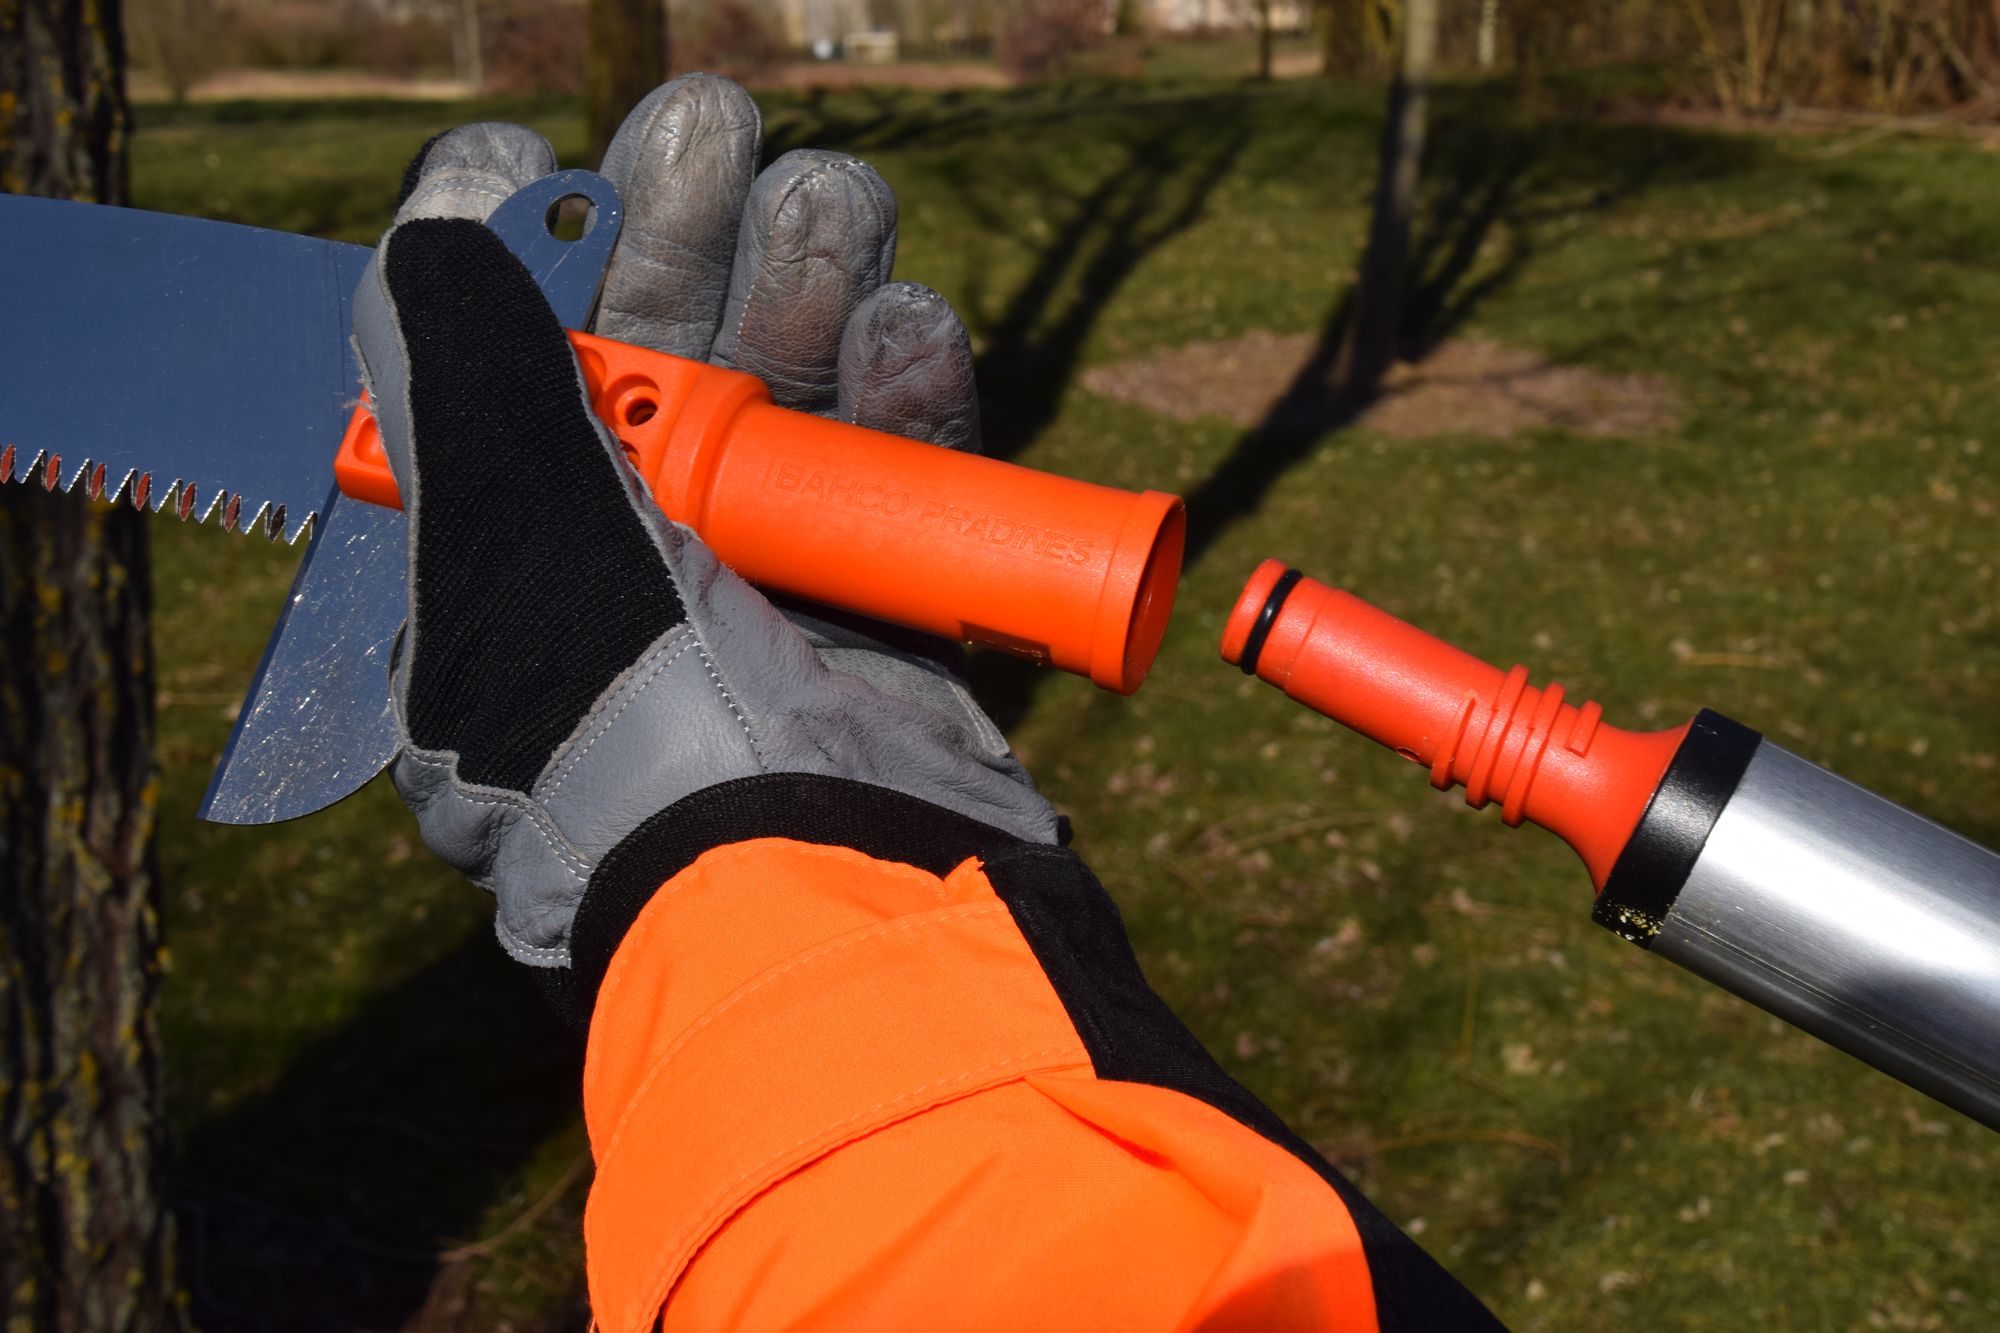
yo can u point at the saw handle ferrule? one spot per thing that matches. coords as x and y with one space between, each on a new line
1062 572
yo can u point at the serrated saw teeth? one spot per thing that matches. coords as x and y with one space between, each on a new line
18 465
187 502
59 476
112 493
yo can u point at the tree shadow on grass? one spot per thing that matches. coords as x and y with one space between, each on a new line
866 120
329 1201
1033 347
1504 193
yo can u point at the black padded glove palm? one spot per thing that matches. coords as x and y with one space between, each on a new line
580 677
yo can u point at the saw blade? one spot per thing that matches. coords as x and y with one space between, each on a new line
317 722
203 369
193 367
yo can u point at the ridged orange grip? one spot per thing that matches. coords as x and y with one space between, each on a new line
1468 722
1064 572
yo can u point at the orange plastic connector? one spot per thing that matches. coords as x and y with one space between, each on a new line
1544 760
1058 571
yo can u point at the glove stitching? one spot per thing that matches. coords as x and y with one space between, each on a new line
443 184
715 678
495 832
597 723
815 171
456 788
750 296
522 950
564 852
869 935
666 108
984 727
473 179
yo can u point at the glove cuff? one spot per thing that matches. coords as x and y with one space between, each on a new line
882 823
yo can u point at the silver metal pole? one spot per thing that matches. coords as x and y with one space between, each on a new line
1864 924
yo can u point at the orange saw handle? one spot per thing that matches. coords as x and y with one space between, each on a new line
1063 572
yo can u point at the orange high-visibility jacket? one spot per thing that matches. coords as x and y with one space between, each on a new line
857 1061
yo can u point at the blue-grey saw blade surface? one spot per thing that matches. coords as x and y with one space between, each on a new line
317 723
193 364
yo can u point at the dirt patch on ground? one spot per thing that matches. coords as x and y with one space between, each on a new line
306 85
1467 386
836 75
302 85
1977 122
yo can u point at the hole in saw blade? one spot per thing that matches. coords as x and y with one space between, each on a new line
52 472
186 505
570 218
97 482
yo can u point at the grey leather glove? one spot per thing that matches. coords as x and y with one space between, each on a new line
581 682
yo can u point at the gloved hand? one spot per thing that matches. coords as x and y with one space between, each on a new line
587 697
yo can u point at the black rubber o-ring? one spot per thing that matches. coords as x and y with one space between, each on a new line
1253 647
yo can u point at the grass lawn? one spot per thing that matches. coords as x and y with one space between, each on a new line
1588 1137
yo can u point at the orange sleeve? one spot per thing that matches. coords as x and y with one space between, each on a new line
825 1088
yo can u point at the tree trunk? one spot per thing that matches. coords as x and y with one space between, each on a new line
1264 38
86 1242
627 59
1370 343
1343 37
471 47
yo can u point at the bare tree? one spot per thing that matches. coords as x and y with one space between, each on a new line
86 1241
627 59
1369 344
176 39
1487 42
469 46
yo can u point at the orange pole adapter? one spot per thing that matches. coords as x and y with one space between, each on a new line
1470 723
1861 922
1059 571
